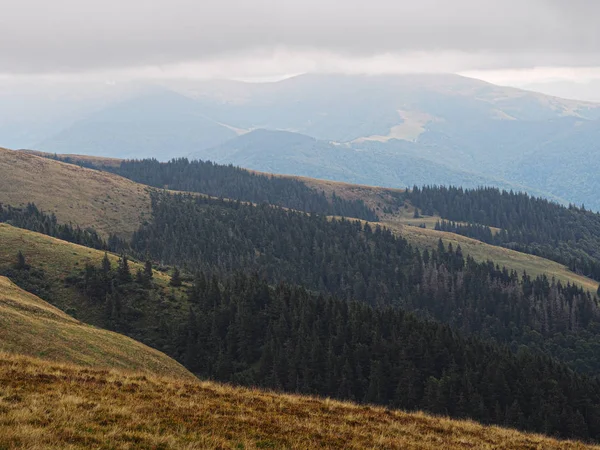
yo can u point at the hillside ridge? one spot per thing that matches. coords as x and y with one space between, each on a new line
376 198
88 198
31 326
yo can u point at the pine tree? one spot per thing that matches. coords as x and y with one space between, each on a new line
148 269
139 277
124 273
21 263
175 278
106 265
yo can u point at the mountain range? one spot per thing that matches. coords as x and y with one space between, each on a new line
392 131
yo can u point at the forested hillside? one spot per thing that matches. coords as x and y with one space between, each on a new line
285 338
275 297
227 181
241 329
533 225
355 261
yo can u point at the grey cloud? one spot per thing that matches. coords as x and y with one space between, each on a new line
77 35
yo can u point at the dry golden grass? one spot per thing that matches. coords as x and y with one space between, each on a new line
88 198
374 197
99 160
51 406
30 326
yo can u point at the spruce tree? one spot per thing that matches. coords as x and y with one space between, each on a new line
21 263
139 277
175 278
124 272
106 266
148 269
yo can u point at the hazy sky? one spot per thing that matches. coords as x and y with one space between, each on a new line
518 41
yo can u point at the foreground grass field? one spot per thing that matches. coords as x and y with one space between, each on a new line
29 325
51 406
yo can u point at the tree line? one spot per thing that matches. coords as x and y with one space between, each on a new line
568 235
228 181
31 218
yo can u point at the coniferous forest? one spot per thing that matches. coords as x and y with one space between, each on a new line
356 262
31 218
568 235
240 328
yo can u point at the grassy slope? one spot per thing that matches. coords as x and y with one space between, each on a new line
533 265
88 198
58 259
47 405
29 325
99 160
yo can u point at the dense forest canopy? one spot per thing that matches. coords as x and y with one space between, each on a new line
569 235
355 261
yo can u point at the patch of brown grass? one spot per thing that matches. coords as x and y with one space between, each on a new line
99 160
29 325
47 405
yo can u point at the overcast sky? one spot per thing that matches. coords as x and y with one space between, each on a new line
518 41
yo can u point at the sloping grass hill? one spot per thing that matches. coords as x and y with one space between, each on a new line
31 326
88 198
53 406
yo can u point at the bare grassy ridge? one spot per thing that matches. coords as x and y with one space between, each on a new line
50 406
98 160
88 198
30 326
